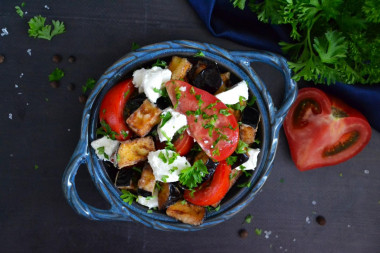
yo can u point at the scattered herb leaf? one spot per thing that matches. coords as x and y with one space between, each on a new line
90 84
56 75
128 197
38 29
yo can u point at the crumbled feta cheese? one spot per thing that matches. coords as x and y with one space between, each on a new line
252 161
232 96
150 202
146 80
4 32
163 171
177 121
106 146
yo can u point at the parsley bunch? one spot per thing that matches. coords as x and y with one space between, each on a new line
333 40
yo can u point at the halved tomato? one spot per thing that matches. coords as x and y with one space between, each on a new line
210 122
112 107
212 191
322 130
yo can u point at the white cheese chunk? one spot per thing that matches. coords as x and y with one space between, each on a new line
231 96
150 202
146 80
177 121
252 161
104 146
163 171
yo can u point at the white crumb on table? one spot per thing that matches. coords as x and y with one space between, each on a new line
21 75
314 202
10 116
16 86
267 234
29 51
4 32
366 172
307 220
47 7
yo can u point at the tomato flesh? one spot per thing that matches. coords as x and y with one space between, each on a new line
213 190
210 122
183 144
112 107
322 130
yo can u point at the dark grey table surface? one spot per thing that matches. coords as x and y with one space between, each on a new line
40 126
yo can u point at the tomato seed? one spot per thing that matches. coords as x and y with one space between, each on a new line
71 59
54 84
57 58
320 220
2 58
243 233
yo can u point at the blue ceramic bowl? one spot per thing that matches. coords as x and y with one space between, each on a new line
239 64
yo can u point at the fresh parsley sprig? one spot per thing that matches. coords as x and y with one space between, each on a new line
192 176
38 29
56 75
128 197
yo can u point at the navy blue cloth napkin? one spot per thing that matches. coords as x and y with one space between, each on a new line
224 21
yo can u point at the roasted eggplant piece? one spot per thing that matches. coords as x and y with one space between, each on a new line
247 133
169 194
127 179
251 117
241 158
179 67
210 164
206 76
163 102
146 182
144 118
133 104
187 213
134 151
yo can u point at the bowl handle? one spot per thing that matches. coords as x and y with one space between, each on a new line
81 156
245 58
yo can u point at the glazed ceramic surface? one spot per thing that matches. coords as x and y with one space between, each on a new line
238 63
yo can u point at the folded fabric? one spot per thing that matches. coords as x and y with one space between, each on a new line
243 27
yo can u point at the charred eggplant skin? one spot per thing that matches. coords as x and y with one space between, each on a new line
241 158
206 76
251 117
127 179
169 194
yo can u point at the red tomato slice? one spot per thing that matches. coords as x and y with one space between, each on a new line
322 130
112 107
183 144
210 122
211 191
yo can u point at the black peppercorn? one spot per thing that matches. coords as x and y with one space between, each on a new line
71 87
2 58
54 84
243 233
82 99
71 59
57 58
320 220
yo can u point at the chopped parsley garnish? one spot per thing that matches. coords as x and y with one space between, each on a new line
199 54
124 133
165 118
163 92
248 218
162 157
232 176
198 97
19 11
240 105
56 75
182 129
157 185
160 63
126 93
128 197
192 91
164 178
258 231
216 152
246 184
38 29
225 112
106 130
90 84
192 176
257 141
149 211
184 202
212 209
177 96
231 160
134 46
173 169
36 167
282 180
136 169
251 101
101 152
117 157
172 158
241 147
247 174
210 105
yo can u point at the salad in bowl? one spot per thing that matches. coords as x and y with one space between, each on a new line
179 135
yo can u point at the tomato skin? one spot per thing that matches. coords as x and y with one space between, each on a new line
225 124
112 107
213 190
184 143
328 135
